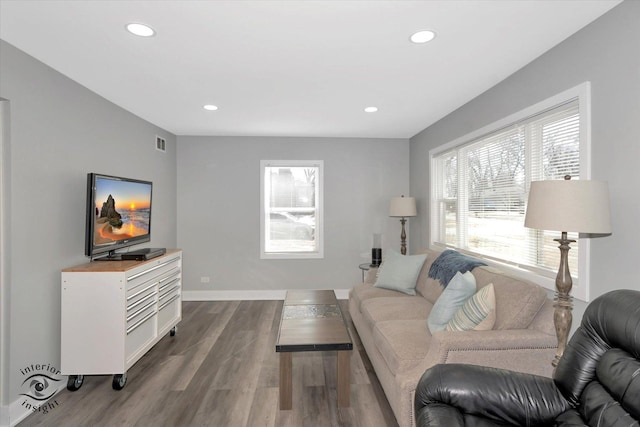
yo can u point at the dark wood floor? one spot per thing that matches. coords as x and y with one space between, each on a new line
221 369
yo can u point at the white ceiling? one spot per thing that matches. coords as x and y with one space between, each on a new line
292 68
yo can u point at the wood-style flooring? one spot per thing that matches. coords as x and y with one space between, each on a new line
221 369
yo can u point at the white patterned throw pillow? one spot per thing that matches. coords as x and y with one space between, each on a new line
478 313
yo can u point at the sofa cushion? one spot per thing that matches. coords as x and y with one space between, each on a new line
478 313
460 289
517 300
400 272
402 343
426 286
365 291
406 308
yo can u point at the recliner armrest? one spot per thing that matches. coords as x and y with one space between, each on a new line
495 394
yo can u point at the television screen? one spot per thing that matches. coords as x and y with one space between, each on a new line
118 213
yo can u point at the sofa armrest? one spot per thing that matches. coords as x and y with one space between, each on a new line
502 339
534 349
488 393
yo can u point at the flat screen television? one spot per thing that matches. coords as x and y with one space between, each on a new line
118 214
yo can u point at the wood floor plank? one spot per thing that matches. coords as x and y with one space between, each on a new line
312 369
190 363
221 369
315 403
358 372
264 409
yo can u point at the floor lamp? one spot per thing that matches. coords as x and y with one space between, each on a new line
403 208
567 206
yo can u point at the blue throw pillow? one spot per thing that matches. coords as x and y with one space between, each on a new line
459 289
400 272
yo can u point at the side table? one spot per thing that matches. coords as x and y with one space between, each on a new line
364 267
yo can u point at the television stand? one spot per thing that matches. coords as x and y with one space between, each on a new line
112 313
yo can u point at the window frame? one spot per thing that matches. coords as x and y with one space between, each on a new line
319 204
543 277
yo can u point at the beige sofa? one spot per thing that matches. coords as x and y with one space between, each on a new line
393 329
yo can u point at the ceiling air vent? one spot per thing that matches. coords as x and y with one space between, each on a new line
161 144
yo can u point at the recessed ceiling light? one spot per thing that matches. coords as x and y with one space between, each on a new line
210 107
423 36
371 109
140 30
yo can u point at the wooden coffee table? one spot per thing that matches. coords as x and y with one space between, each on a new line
312 321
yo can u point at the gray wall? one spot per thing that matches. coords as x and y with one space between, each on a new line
219 208
60 131
606 53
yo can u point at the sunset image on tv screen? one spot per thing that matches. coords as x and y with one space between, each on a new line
122 210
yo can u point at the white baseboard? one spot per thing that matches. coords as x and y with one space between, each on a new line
18 412
245 295
342 293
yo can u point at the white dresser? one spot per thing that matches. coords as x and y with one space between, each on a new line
113 312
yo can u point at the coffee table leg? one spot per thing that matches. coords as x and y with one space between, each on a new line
344 383
286 380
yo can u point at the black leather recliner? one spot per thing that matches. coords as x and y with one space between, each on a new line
596 383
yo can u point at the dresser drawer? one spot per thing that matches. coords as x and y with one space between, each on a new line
169 280
170 313
139 314
170 290
162 270
138 337
140 294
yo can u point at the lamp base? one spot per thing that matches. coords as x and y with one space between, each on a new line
562 316
403 237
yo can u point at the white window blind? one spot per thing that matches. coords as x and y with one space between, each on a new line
480 188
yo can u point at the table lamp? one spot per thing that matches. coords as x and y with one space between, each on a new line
567 206
403 207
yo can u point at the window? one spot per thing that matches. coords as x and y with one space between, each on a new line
480 187
291 213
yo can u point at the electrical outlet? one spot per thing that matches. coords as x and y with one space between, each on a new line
205 279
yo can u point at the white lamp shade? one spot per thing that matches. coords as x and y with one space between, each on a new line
567 205
403 207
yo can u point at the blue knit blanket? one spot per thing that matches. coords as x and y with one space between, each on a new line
449 263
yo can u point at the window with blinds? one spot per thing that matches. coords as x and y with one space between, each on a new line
291 214
480 189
